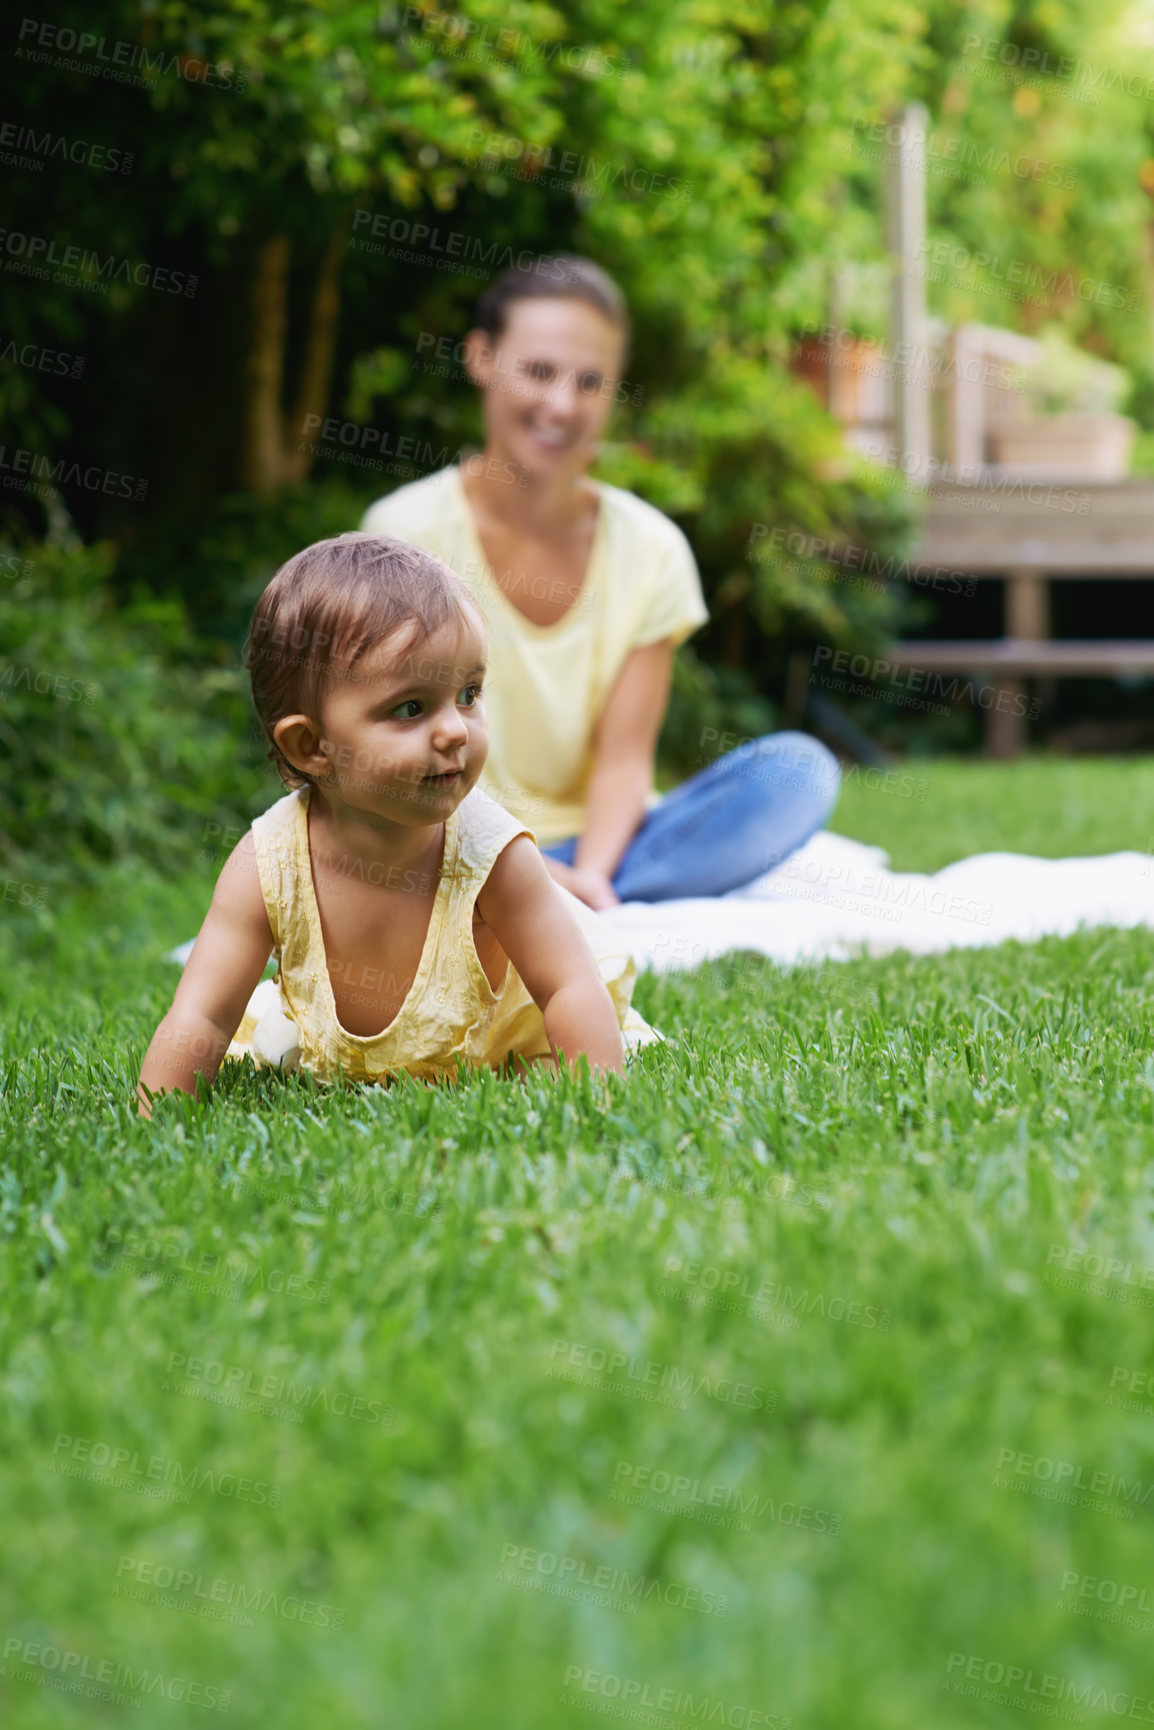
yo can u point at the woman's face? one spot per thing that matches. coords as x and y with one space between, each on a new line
549 384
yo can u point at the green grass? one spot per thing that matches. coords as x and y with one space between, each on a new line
928 1139
1053 807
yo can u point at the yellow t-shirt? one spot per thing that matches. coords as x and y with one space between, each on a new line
548 684
451 1010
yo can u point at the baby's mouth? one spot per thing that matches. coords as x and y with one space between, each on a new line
449 779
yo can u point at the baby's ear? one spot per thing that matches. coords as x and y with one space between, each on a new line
298 739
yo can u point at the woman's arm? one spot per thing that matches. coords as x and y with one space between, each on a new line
547 946
232 950
624 745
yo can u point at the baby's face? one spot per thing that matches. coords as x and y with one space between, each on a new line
404 729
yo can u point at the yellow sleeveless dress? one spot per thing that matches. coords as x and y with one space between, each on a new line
451 1010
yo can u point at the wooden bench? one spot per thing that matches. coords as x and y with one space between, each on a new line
1007 662
1093 530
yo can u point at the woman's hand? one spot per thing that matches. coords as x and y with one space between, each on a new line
589 886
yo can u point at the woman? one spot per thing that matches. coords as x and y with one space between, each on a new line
587 591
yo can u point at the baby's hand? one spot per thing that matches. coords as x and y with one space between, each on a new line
542 936
227 960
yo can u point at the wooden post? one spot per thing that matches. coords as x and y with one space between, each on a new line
906 200
1027 611
1027 619
835 401
1006 725
965 449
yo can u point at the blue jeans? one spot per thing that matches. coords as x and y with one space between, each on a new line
728 824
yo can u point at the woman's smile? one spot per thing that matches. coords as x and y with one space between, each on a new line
555 437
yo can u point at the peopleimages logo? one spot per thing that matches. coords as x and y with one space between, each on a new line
955 155
1106 1591
43 146
736 1283
81 1673
253 1387
1064 1477
62 472
914 680
172 1257
680 1493
213 1597
1021 273
449 248
477 41
938 366
535 160
670 1703
53 42
629 1589
155 1472
1136 1275
1036 66
17 677
1034 1685
804 549
33 254
39 359
645 1378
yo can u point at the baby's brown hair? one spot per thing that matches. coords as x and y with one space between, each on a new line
329 605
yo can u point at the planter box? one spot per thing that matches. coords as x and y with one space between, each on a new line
1065 446
852 380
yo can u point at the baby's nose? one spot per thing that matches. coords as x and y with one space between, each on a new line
453 726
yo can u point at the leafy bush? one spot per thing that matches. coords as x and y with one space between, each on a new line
709 709
111 749
219 564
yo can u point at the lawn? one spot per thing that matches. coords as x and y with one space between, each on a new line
804 1373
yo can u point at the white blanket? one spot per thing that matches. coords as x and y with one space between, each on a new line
836 898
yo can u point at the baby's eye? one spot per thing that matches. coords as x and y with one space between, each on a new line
410 703
470 695
541 369
590 382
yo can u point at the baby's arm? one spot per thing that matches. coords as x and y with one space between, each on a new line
527 914
232 950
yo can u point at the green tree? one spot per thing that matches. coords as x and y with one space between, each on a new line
707 154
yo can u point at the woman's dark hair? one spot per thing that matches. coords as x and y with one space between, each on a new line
559 276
